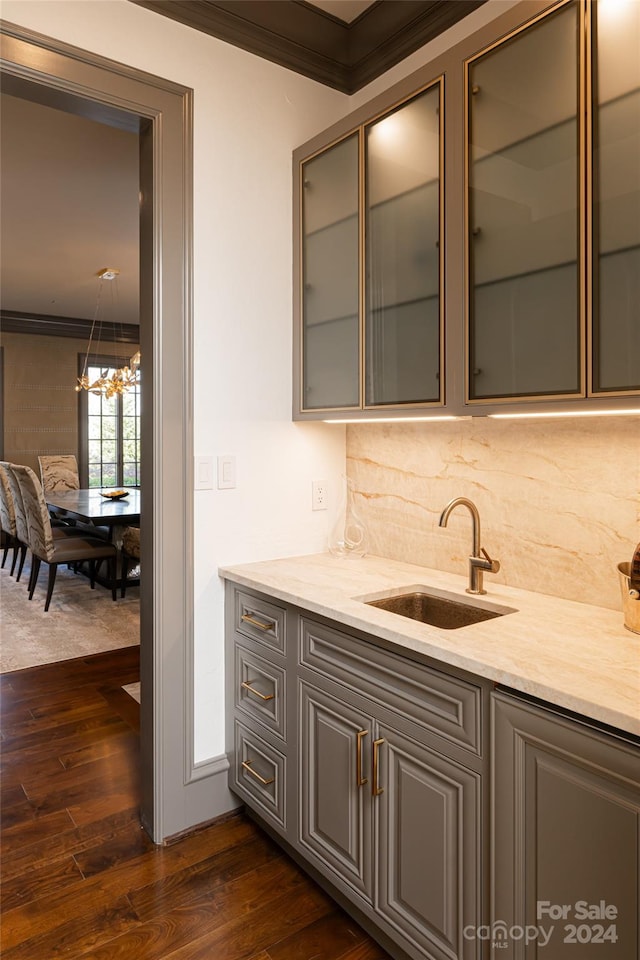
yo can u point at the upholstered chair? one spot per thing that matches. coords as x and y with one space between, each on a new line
130 551
59 473
59 528
22 531
8 519
65 549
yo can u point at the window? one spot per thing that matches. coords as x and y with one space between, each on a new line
109 432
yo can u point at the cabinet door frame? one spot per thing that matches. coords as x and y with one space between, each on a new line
357 123
527 739
460 792
581 212
354 865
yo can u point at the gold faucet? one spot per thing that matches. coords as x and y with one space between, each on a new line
477 563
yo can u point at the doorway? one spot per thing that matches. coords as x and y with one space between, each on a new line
80 82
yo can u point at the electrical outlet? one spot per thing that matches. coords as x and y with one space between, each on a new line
318 495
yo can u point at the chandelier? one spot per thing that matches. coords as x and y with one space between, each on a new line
120 380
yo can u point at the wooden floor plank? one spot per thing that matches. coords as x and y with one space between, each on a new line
368 950
71 736
54 875
80 878
261 905
25 824
326 939
120 847
63 843
203 878
99 750
116 767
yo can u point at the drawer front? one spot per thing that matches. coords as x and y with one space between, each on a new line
260 620
445 705
259 775
260 690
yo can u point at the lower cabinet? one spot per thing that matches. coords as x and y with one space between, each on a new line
372 766
391 821
566 837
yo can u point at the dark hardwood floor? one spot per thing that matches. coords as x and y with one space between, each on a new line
81 879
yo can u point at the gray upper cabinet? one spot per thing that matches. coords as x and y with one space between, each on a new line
566 825
524 213
553 208
369 330
468 243
616 198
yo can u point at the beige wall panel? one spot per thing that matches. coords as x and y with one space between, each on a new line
40 402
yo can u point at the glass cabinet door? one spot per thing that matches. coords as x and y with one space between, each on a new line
524 213
403 329
616 196
330 264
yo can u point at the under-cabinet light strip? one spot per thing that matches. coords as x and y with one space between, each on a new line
494 416
395 419
567 413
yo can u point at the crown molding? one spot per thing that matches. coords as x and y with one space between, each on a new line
13 321
303 38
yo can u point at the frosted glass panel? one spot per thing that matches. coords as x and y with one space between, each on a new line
331 329
524 311
402 330
616 241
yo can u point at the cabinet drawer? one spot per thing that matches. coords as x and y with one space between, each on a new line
259 775
260 620
446 705
259 690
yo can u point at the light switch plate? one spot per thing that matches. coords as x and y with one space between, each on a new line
226 472
203 473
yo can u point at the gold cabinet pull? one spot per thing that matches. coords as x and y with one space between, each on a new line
247 618
247 766
246 684
360 780
376 790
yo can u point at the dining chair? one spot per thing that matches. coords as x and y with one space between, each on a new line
22 530
59 473
59 528
8 519
130 551
54 550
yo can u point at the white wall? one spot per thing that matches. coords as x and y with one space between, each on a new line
249 115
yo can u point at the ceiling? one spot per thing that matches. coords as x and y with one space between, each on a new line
346 10
66 176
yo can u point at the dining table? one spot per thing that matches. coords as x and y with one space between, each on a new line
94 505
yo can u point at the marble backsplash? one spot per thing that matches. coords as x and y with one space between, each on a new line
559 500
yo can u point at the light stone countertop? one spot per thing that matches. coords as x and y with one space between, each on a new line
573 655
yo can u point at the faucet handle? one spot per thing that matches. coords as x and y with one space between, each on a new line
494 564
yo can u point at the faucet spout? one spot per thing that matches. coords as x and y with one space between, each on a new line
479 561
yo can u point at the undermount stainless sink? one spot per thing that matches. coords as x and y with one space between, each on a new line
438 608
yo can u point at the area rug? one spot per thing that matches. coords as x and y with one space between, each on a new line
79 622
